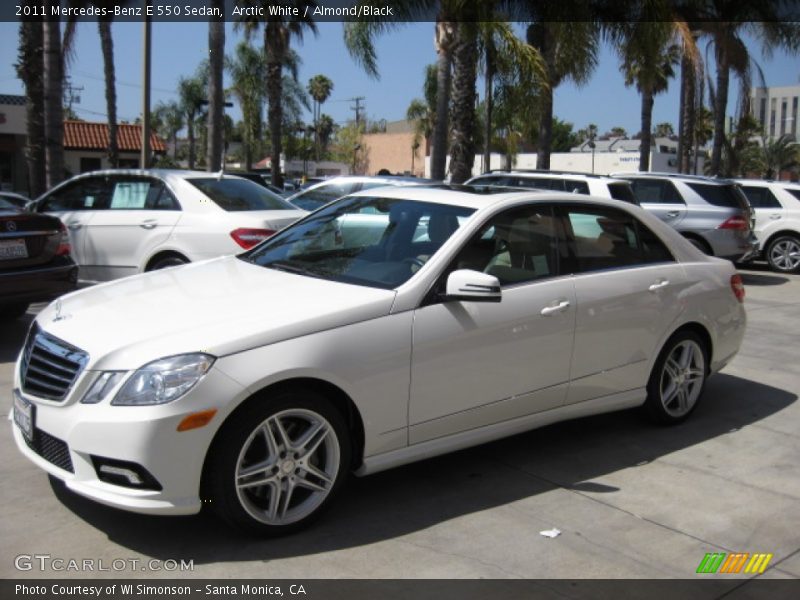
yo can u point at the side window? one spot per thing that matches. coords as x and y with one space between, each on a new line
795 193
540 183
86 194
656 191
760 197
516 246
609 239
577 187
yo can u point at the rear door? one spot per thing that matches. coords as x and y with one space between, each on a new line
627 286
660 197
767 208
139 216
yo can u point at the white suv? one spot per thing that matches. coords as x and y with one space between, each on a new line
123 222
560 181
777 216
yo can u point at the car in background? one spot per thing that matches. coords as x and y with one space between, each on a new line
263 179
254 384
713 214
560 181
17 200
35 261
123 222
328 190
777 221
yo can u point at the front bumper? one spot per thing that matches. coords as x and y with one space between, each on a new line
144 435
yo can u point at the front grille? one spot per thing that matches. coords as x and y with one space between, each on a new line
50 366
52 449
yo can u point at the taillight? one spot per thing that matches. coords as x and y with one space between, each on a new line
64 249
247 238
737 286
737 223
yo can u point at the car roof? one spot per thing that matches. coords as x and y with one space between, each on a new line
540 173
662 175
768 182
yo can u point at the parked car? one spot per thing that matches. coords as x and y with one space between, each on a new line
777 221
560 181
328 190
17 200
253 384
35 261
263 179
713 214
123 222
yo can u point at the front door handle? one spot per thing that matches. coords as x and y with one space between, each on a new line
662 283
775 217
672 214
555 308
149 224
74 226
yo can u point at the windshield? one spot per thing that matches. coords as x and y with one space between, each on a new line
239 194
376 242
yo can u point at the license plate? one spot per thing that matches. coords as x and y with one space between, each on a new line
13 249
23 415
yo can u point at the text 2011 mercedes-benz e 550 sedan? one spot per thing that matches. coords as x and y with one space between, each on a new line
389 326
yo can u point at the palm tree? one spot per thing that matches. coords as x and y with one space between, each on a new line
648 52
326 128
107 46
192 93
248 71
216 95
725 22
567 36
53 97
320 88
781 154
169 119
278 34
30 69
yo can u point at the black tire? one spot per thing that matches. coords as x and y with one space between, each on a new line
782 253
9 312
701 245
172 260
661 405
242 440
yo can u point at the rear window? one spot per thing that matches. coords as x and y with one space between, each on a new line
622 191
235 195
320 196
718 195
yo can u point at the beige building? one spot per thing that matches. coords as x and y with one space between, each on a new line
393 150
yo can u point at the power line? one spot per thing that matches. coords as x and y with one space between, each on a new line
125 83
357 107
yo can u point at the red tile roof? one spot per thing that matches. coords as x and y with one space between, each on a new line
82 135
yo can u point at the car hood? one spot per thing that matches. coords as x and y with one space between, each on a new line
220 306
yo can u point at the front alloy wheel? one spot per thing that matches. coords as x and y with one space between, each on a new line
278 463
783 254
677 380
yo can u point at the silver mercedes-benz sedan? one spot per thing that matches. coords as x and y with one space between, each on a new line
387 327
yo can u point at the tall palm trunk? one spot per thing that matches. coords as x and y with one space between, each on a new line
53 98
107 45
216 48
647 126
444 42
540 37
687 114
30 69
487 101
276 43
720 104
192 142
465 73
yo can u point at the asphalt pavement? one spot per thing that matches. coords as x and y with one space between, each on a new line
631 500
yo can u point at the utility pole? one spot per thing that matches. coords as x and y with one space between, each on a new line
70 95
357 108
144 159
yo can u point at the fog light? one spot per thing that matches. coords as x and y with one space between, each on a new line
124 473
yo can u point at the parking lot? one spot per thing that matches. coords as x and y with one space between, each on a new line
631 500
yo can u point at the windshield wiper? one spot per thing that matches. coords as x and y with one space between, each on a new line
288 267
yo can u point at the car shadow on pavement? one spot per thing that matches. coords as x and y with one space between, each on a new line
763 280
394 503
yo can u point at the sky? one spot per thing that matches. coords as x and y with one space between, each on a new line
402 56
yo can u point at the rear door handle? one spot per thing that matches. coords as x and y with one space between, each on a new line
74 226
148 224
555 308
775 217
658 285
672 214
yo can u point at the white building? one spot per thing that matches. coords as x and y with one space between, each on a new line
776 109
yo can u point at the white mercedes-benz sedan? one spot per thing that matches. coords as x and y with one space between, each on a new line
387 327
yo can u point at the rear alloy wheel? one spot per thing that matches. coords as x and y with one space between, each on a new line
13 311
783 254
168 261
281 464
677 380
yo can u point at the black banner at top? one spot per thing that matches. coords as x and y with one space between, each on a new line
402 10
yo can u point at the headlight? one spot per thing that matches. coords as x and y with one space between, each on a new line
102 386
163 380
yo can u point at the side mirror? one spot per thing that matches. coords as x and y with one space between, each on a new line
472 286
